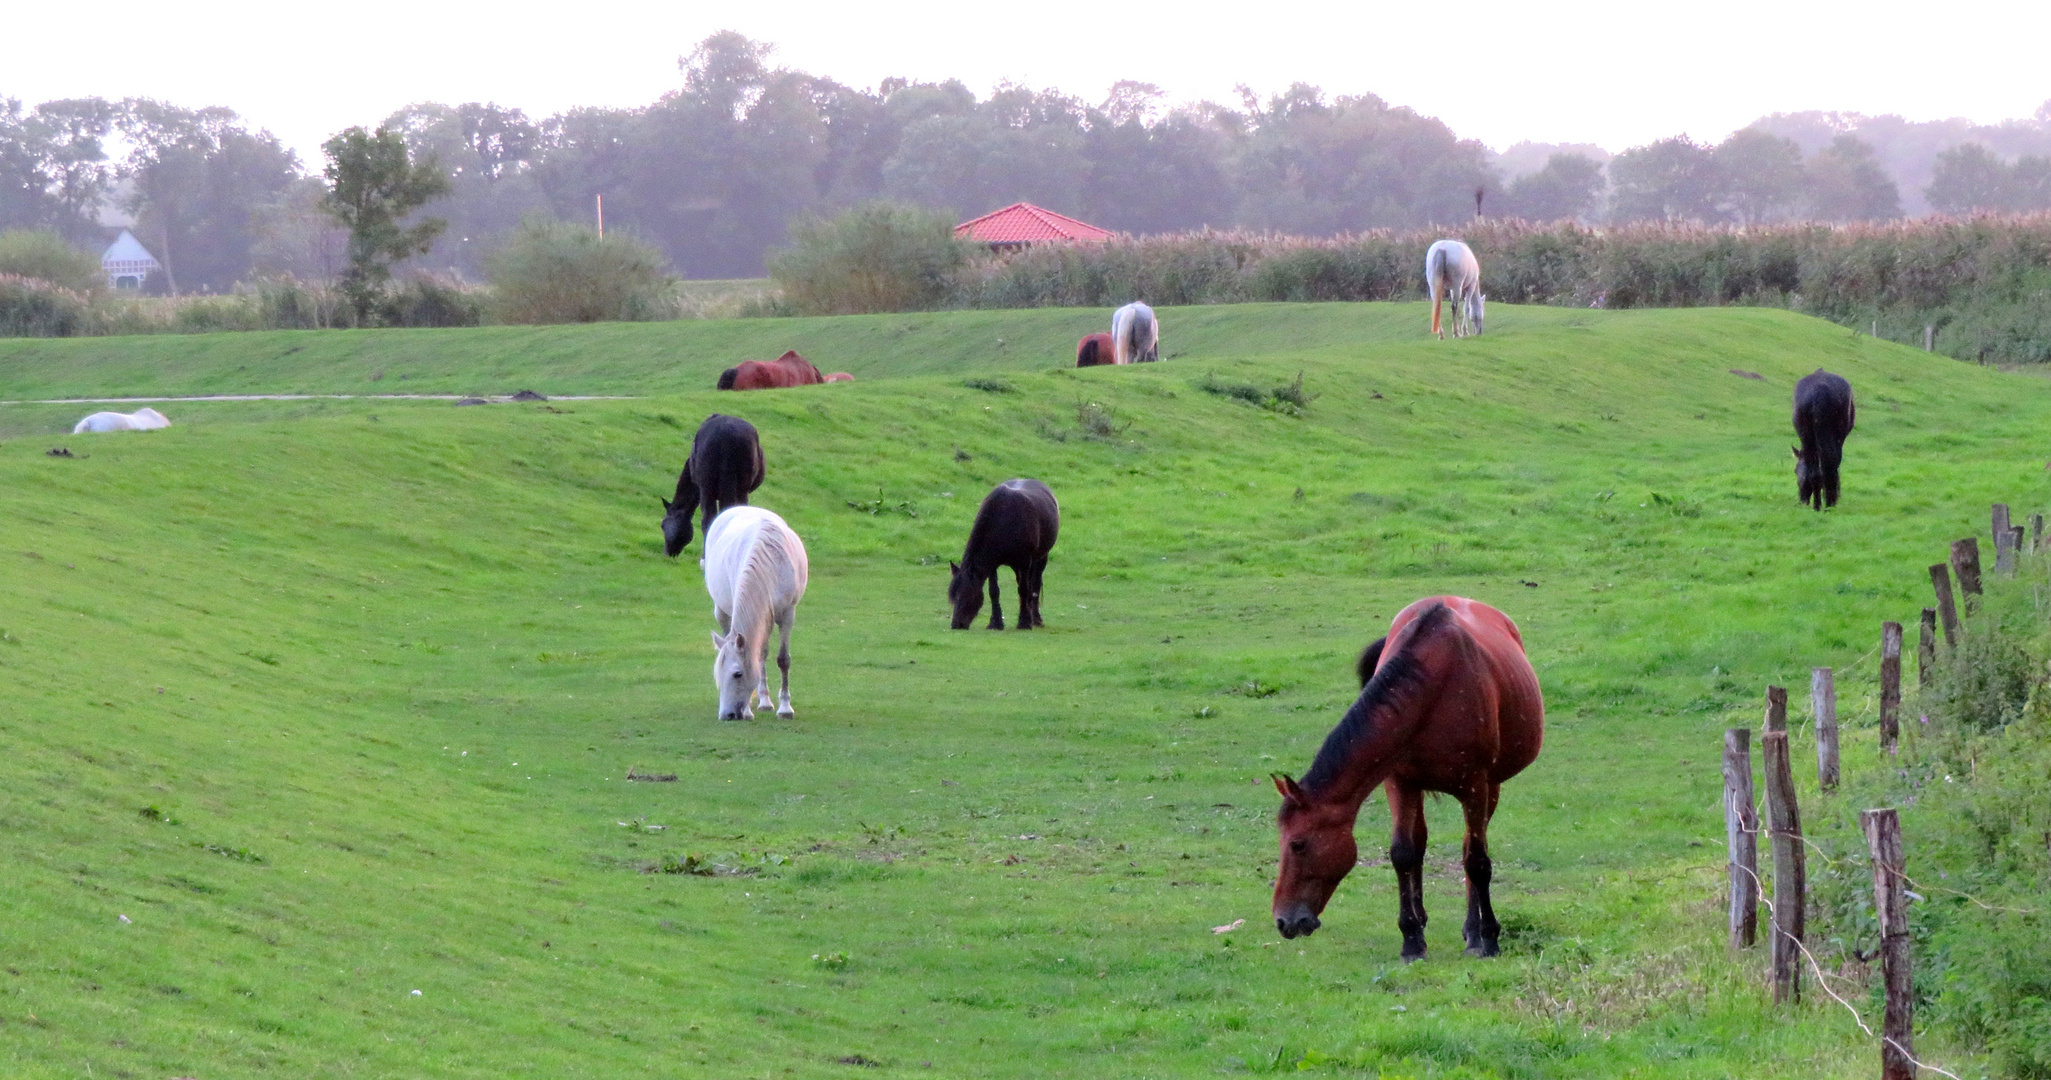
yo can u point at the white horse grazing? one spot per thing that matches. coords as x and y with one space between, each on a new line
756 570
1451 270
1135 335
144 419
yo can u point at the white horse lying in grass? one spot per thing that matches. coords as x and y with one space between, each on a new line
144 419
1451 270
756 570
1135 335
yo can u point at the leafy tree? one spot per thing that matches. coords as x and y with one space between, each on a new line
1761 175
54 170
1846 183
1970 177
1570 186
373 184
198 184
1309 166
488 155
1673 179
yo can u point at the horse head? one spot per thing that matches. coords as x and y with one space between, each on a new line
676 527
737 672
966 594
1318 852
1808 478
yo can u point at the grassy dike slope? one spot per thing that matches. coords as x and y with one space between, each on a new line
384 666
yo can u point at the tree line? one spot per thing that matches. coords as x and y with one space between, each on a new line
715 173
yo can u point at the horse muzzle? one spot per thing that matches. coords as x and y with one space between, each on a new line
1297 922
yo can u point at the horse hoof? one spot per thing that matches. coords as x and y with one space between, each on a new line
786 713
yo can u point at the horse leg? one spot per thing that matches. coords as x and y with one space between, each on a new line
1436 299
783 708
1406 854
1032 602
1482 931
996 603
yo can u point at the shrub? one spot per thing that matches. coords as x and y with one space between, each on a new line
433 300
875 257
555 272
34 307
45 256
286 303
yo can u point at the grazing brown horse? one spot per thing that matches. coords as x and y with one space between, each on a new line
1448 703
1094 350
790 369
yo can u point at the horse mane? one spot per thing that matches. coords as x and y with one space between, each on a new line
727 377
1369 657
1395 683
754 580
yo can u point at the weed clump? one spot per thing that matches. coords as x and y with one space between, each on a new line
1288 398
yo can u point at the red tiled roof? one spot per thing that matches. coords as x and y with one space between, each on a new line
1024 223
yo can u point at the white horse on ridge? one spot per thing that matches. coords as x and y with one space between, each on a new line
1135 335
756 571
143 419
1451 270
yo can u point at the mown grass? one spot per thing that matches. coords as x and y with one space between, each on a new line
381 668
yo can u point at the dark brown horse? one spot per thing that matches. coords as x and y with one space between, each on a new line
1016 526
725 466
1095 349
1449 703
1824 415
790 369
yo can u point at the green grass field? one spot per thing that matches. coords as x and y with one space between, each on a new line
307 706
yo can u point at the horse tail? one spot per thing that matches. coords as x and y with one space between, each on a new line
1369 658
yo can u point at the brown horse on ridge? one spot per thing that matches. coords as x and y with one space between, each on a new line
1448 703
1094 350
790 369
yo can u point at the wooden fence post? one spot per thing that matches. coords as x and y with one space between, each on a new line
1741 835
1999 514
2004 541
1897 1029
1790 868
1890 685
2015 544
1965 562
1940 582
1929 337
1823 705
2036 533
1776 708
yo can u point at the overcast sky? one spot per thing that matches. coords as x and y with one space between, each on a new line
1609 72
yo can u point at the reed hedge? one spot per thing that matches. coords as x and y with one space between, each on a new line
1982 282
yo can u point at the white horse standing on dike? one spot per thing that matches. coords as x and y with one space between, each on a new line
756 571
1451 270
1135 335
143 419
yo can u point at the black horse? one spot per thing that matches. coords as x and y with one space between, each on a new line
1823 417
725 465
1015 527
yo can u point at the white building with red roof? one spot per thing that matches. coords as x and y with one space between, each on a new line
1021 224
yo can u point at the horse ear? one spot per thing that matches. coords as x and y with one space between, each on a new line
1796 451
717 641
954 567
665 503
1290 792
740 641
